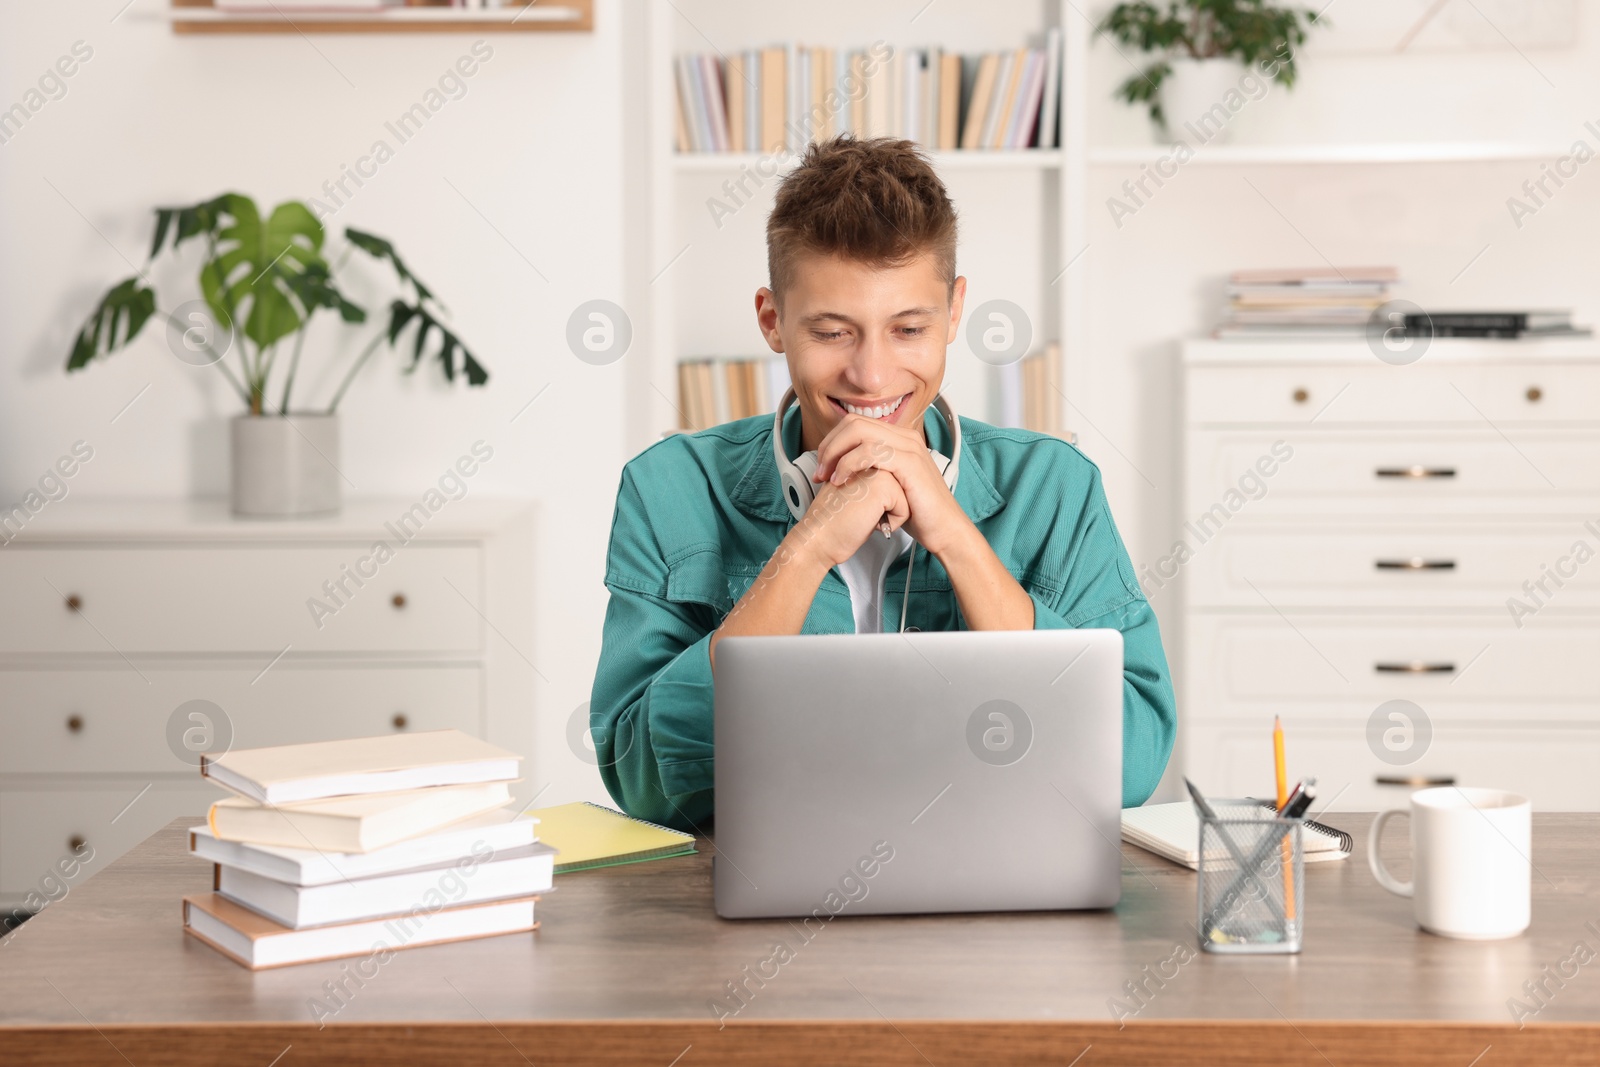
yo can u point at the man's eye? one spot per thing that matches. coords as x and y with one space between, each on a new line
827 335
914 331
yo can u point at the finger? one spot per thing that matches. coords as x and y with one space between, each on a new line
871 452
896 511
846 435
856 431
897 516
854 462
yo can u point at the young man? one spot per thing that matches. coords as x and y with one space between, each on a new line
863 302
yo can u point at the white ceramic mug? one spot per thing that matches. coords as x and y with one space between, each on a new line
1471 875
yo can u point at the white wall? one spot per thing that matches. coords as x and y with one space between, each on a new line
1158 277
534 148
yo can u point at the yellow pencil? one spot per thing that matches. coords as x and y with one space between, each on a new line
1277 759
1283 798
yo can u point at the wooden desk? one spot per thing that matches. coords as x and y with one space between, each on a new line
630 958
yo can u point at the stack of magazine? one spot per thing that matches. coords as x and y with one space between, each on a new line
1296 304
364 846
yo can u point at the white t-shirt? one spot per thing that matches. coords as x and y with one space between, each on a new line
864 574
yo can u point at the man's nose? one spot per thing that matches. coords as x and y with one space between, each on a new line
869 367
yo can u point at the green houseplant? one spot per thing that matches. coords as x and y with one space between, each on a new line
1184 33
261 283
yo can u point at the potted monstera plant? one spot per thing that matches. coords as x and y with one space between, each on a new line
261 283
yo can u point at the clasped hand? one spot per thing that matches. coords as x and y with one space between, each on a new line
875 478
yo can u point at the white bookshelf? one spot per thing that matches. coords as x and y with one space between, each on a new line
691 283
1018 159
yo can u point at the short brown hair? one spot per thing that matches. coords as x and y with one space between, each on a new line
876 201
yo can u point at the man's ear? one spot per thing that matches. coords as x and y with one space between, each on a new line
767 318
958 298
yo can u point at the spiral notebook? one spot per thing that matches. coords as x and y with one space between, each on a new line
1172 831
591 835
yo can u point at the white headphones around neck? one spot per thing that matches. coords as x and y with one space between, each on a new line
795 474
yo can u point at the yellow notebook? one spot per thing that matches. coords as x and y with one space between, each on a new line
588 835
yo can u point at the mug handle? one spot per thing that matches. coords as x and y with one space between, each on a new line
1385 879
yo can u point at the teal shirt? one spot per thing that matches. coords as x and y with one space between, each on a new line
697 518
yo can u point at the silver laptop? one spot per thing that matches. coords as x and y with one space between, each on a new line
921 772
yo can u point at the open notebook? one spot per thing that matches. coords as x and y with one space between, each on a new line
1172 831
589 835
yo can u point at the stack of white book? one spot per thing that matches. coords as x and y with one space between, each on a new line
364 846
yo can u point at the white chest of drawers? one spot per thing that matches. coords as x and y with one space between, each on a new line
119 612
1356 533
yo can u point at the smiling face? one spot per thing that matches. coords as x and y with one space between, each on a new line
862 339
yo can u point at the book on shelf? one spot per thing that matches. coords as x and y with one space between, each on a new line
770 100
1317 276
712 91
1288 333
947 112
1030 394
687 133
1506 325
736 78
1006 113
1041 390
977 105
782 96
1050 106
718 390
1311 302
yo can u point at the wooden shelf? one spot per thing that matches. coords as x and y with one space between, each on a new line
199 16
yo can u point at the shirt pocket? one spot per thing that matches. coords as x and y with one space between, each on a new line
700 579
1041 588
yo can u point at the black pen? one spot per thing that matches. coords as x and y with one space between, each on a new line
1294 809
1199 801
1294 794
1296 805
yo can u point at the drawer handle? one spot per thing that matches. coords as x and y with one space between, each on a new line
398 600
1415 563
1416 666
1535 394
400 721
75 842
1301 396
74 602
75 723
1416 472
1420 781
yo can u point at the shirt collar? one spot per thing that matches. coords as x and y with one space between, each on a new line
759 494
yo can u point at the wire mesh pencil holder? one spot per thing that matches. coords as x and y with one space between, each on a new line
1249 892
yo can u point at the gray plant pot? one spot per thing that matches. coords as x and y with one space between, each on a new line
284 467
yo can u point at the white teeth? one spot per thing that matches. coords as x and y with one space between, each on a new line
876 412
